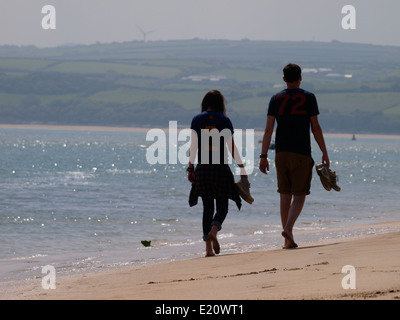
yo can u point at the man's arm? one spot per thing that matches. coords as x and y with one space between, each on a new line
269 129
319 137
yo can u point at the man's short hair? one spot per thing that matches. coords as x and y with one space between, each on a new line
292 72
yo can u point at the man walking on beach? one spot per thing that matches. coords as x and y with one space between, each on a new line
294 110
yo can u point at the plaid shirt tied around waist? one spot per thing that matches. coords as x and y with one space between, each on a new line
214 181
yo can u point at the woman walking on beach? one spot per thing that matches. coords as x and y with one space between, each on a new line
212 179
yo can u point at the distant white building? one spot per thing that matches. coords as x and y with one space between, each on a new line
211 78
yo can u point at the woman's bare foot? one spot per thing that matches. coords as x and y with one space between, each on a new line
213 238
209 249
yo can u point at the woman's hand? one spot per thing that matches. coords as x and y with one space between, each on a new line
191 175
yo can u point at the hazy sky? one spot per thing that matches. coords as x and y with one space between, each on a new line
89 21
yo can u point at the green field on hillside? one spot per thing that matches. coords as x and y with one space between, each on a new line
145 84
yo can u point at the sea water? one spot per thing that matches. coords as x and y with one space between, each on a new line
84 200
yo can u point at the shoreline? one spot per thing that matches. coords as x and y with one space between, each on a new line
312 271
72 128
146 129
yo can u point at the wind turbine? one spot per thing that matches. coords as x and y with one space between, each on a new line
145 33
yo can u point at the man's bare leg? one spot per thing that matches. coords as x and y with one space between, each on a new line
286 200
290 211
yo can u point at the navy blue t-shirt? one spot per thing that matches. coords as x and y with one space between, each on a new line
203 124
292 109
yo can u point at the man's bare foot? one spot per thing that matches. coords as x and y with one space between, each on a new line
289 241
288 245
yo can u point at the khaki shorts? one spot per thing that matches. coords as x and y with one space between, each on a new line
294 173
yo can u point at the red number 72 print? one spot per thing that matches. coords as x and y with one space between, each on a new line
298 100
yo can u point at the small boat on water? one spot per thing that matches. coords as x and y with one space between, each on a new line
272 146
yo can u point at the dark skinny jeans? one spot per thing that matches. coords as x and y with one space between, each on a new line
208 214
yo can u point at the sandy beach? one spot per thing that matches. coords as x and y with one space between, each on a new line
312 271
